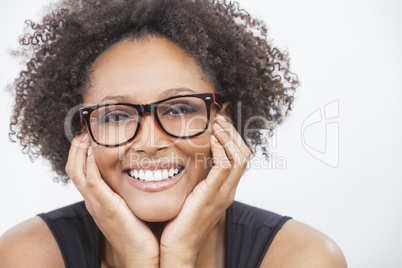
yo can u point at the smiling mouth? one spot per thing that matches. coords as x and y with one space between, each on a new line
146 175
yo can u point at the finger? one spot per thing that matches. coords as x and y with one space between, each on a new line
78 171
94 182
228 128
75 144
234 153
238 160
231 130
228 159
223 177
221 168
219 157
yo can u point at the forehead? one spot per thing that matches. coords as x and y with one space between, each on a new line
143 69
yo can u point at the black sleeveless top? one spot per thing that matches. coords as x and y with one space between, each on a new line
249 233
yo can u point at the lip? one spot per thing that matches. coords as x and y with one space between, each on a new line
153 186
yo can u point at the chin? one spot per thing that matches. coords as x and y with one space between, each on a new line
156 210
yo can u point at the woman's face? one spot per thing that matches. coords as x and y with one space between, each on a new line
143 72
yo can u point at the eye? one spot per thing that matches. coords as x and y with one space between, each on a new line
179 109
114 115
114 118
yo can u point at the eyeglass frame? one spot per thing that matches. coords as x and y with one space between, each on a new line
142 109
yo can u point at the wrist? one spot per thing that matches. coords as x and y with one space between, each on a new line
140 264
183 259
131 261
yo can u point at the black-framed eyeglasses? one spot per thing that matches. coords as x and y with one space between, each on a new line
181 116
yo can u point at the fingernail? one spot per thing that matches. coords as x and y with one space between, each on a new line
214 138
85 137
220 117
89 151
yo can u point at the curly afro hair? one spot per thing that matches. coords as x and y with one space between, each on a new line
227 43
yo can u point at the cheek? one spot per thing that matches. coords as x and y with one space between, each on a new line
199 143
198 151
108 160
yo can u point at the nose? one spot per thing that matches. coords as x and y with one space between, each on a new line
150 137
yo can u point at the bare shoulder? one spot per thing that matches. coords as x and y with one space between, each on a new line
29 244
299 245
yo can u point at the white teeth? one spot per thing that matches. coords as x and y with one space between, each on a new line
158 175
149 176
165 174
141 175
134 174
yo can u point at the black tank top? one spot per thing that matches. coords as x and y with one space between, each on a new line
249 233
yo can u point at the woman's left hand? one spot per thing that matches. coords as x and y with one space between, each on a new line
184 235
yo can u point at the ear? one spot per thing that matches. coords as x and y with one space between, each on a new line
225 110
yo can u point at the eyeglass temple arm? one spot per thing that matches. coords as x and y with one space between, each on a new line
218 99
81 116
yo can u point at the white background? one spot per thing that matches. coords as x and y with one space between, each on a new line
345 51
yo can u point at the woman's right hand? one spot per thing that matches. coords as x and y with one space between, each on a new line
130 237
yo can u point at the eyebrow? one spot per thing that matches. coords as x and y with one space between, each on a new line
165 94
119 98
174 91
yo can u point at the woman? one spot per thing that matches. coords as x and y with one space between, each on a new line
150 90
